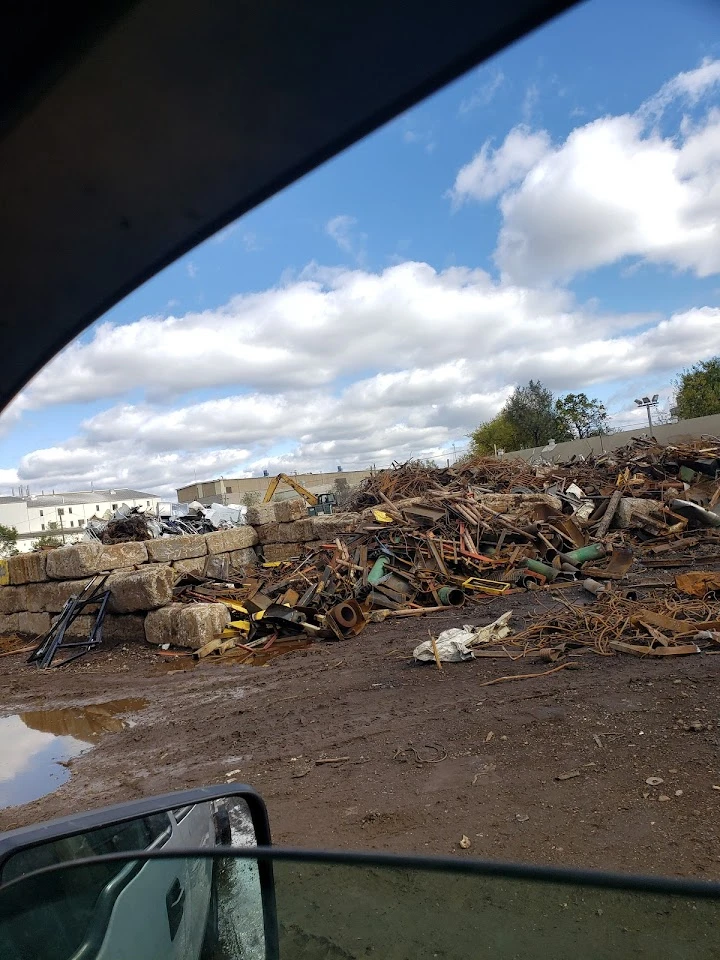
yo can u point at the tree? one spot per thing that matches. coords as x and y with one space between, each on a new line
698 390
531 412
250 498
8 541
341 489
46 542
496 434
582 416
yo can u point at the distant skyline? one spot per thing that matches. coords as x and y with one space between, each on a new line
555 215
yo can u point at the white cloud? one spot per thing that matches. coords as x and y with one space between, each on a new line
688 87
490 172
250 242
614 189
483 95
445 347
530 101
340 230
191 269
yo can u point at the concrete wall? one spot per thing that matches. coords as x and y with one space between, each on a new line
666 433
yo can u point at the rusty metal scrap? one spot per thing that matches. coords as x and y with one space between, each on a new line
426 538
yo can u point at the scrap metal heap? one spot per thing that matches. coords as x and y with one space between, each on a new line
419 538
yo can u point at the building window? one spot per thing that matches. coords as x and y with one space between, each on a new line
228 489
81 523
148 502
114 506
72 523
60 511
97 508
42 525
42 514
69 509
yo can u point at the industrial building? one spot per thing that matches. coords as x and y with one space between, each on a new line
234 489
64 515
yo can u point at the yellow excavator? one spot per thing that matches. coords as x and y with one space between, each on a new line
323 503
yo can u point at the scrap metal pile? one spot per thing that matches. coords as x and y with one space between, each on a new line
425 539
128 524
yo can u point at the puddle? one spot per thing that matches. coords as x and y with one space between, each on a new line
35 746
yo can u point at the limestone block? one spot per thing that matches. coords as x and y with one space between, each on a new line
194 566
8 623
243 558
298 531
51 597
88 558
269 533
166 549
33 623
148 588
186 624
116 629
630 506
261 513
27 567
225 541
328 526
288 510
520 506
282 551
13 599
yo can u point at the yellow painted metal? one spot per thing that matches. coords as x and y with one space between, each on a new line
308 497
381 516
494 587
4 573
234 605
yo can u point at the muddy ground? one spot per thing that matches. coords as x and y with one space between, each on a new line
506 748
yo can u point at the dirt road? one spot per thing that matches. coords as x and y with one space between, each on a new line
549 770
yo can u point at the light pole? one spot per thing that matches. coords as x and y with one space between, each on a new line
648 403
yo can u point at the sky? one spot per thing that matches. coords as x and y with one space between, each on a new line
554 215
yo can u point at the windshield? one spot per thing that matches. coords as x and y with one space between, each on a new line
398 911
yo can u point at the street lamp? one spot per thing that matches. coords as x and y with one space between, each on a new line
648 403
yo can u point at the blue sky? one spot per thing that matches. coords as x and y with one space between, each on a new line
553 214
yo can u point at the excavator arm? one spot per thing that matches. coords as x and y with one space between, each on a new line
308 497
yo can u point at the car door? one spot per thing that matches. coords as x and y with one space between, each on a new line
194 828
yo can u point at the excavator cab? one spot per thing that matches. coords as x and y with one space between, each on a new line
326 503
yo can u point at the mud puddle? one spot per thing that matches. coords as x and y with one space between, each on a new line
37 745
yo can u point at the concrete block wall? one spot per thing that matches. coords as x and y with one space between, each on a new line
680 432
142 576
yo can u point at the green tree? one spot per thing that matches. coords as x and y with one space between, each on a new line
47 542
582 416
8 541
250 498
531 412
698 390
496 434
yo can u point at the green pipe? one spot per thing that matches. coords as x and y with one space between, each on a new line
538 567
594 551
451 596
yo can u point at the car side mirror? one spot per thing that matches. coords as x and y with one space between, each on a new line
55 902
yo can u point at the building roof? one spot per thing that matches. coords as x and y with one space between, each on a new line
114 495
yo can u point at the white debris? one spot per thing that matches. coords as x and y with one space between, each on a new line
455 644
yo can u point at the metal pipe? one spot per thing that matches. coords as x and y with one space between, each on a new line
593 551
451 596
537 566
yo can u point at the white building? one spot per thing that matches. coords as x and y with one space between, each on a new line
64 515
